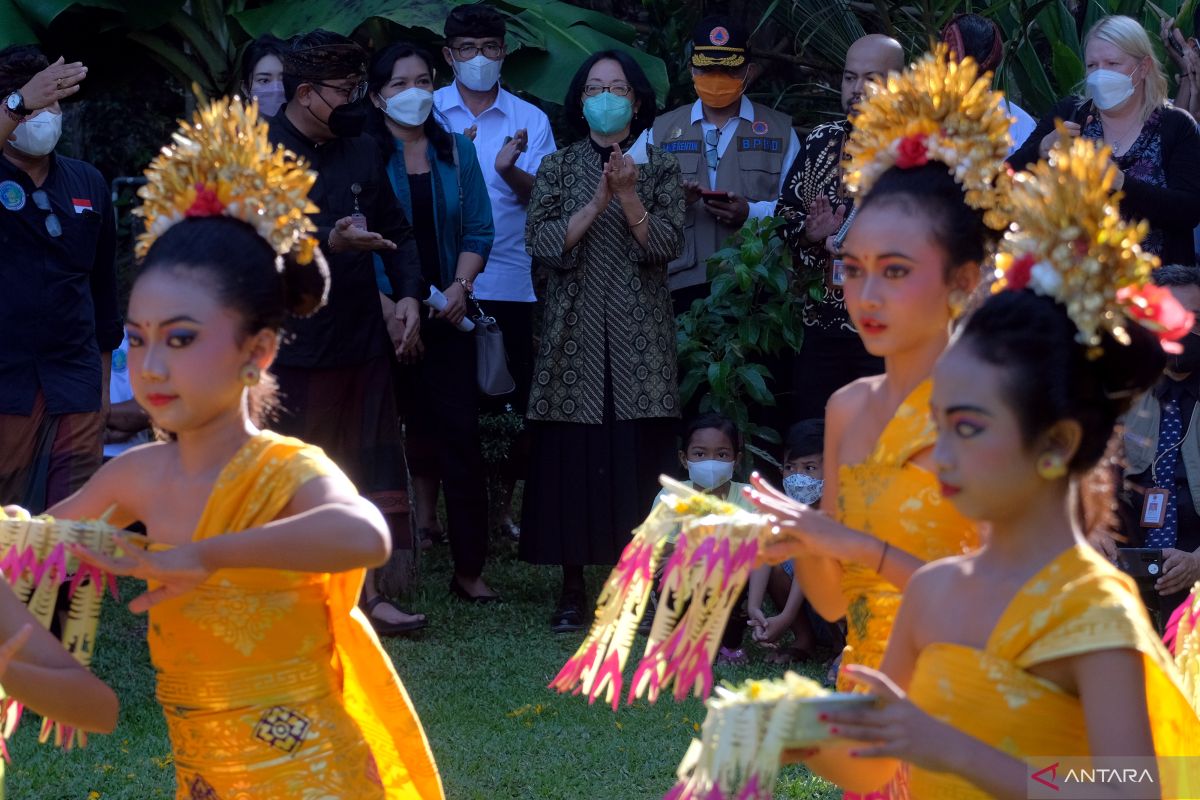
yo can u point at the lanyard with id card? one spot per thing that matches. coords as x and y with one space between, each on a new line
1154 508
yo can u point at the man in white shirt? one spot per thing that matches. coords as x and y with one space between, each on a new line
511 137
733 154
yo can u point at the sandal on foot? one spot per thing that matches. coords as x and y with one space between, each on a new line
791 654
567 618
428 537
734 658
384 628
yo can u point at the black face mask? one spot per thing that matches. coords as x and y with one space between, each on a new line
347 120
1188 361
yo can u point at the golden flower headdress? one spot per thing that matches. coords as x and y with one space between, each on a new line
936 110
1068 242
223 164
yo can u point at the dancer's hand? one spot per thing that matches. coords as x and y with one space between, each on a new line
178 570
9 650
894 727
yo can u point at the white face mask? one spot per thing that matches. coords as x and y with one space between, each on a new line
803 488
710 474
479 74
1108 88
411 107
38 135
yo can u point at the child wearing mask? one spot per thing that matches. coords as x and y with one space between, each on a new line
711 448
803 480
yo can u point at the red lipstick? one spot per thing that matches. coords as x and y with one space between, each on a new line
160 399
949 491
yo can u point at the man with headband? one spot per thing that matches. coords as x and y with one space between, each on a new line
335 370
733 153
979 37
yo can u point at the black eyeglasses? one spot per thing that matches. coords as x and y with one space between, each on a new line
353 94
468 51
619 89
42 201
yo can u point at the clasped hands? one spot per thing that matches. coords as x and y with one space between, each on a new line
619 180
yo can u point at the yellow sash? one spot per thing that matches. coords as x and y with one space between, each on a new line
273 683
1076 604
897 502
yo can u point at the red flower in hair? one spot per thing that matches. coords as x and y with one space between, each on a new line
1017 276
912 152
1157 309
206 204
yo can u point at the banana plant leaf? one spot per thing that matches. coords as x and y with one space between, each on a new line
284 19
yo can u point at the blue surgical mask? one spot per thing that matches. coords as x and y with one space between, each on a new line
803 488
710 474
606 113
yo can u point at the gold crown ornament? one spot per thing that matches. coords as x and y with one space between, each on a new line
223 164
940 110
1069 243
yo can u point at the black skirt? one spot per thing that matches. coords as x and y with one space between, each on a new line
589 486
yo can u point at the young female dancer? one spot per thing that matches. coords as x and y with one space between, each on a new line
1045 651
273 683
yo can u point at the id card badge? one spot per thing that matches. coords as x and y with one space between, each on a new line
838 272
1154 508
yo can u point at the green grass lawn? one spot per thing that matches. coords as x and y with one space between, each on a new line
478 678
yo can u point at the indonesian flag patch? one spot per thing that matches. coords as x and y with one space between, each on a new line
81 204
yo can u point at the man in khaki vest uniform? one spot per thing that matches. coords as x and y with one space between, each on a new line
733 153
1162 454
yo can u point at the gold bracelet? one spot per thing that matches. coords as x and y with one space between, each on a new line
640 221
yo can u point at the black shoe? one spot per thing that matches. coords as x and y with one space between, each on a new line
509 530
567 617
458 591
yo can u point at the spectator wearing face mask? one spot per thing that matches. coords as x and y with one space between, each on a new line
262 73
1162 453
1155 146
803 480
511 137
733 153
336 368
59 321
436 177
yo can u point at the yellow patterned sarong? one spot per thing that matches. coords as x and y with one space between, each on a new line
1077 604
273 684
897 502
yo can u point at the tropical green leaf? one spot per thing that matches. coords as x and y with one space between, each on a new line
286 19
14 28
756 387
1068 66
169 55
545 69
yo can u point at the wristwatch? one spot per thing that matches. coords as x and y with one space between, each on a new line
466 284
14 104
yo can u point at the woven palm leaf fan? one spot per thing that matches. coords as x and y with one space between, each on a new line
36 563
702 577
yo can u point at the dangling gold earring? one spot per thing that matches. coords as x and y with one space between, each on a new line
251 374
1051 466
958 303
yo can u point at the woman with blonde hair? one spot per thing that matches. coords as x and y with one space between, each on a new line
1156 146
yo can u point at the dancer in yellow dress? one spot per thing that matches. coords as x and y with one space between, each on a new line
928 153
272 682
1035 649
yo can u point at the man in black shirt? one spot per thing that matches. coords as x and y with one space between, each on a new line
1162 452
335 369
59 321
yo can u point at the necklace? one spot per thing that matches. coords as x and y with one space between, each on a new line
1116 139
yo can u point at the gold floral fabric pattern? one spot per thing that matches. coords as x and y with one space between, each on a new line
1076 604
264 675
900 503
608 309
